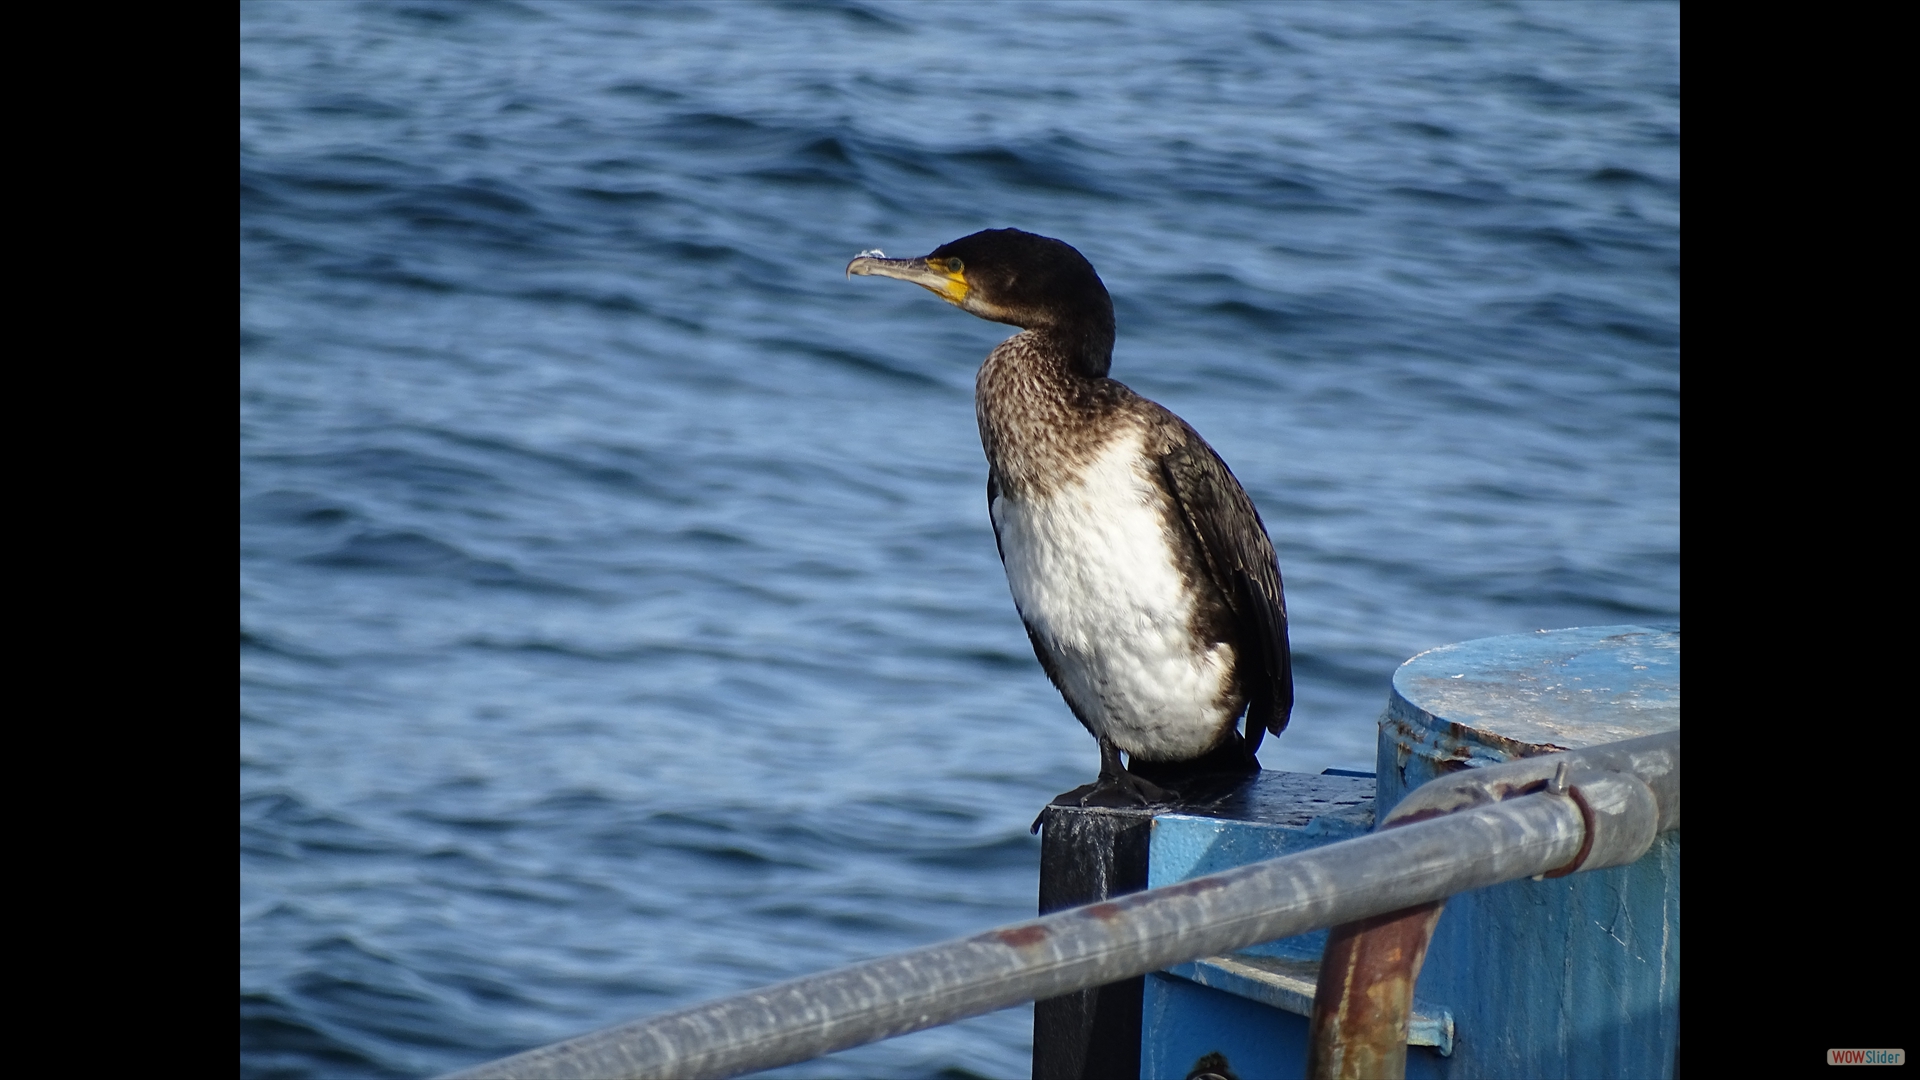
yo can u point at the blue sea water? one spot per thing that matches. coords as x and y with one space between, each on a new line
620 620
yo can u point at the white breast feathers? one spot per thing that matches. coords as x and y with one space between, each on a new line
1092 574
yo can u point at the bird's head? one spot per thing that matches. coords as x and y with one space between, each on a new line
1015 277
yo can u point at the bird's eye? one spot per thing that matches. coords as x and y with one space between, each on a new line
955 266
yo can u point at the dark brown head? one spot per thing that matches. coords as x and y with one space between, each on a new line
1034 282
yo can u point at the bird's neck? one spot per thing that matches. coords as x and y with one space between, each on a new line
1082 346
1041 409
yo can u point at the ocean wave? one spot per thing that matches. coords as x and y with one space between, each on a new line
414 553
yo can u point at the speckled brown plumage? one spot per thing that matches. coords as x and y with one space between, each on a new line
1040 422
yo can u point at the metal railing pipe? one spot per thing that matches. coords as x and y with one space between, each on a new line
1068 950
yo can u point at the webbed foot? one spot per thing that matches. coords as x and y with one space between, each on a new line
1120 792
1223 768
1118 789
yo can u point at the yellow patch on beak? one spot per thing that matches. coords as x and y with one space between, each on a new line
953 288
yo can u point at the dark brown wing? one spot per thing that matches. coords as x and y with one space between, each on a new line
1239 558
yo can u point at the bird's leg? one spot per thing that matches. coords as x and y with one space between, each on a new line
1116 787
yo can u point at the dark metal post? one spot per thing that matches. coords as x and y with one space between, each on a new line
1086 855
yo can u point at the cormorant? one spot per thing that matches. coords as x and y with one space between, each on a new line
1143 573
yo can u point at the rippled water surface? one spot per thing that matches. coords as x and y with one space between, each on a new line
620 620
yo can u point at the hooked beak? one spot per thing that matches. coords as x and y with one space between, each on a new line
943 277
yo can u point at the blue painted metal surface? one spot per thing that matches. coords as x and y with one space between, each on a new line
1576 976
1252 1006
1184 1023
1293 812
1495 699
